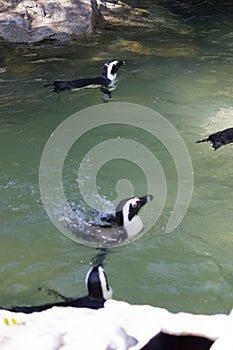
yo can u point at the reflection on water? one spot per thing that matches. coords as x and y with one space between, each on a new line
183 71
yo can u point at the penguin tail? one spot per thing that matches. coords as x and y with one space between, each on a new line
60 85
48 84
204 140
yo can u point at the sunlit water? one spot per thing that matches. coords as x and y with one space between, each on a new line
183 72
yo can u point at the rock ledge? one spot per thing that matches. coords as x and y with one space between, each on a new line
31 21
118 326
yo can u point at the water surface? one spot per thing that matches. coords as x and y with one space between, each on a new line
183 71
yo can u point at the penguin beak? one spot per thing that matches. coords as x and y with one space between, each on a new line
145 199
122 63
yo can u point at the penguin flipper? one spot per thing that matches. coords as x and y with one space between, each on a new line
107 93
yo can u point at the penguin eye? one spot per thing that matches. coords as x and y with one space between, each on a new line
134 205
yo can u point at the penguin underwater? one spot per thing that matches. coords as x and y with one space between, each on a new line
219 138
98 292
105 81
113 228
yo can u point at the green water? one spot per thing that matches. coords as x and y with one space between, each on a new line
184 72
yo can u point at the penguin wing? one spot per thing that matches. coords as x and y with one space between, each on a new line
62 85
103 220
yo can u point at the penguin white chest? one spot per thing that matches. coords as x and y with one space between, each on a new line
134 226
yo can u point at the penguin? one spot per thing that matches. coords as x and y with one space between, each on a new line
98 292
219 138
105 81
165 341
113 229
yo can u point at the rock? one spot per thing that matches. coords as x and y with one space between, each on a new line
32 21
63 328
118 326
13 28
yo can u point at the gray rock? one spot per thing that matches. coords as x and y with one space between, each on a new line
30 21
13 28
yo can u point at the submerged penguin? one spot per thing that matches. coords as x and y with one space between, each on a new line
98 292
105 81
113 228
219 138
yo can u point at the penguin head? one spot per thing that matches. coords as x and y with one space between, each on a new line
97 283
127 214
111 67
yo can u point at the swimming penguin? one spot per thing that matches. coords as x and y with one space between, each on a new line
219 139
98 292
105 81
113 228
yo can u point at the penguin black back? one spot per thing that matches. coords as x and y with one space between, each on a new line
98 292
219 138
